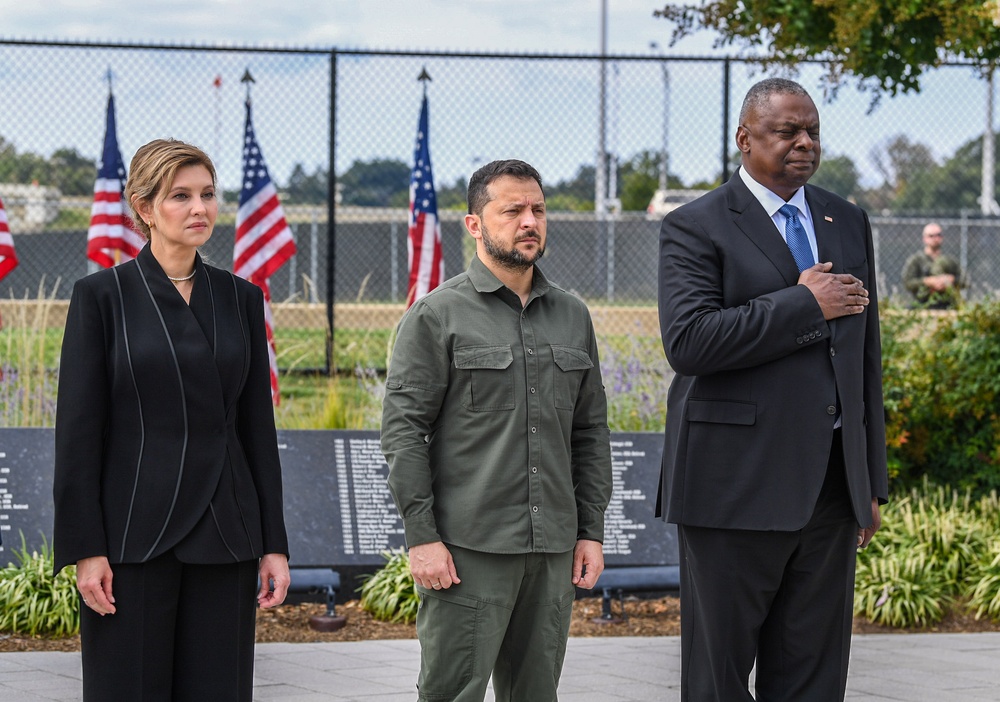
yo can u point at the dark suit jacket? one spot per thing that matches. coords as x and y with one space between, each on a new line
761 376
165 433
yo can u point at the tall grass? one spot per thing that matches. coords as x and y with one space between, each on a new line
28 377
636 376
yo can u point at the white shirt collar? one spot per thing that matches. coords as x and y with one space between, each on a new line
769 200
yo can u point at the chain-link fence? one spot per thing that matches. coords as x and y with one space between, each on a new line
666 122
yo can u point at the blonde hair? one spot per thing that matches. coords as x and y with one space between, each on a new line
153 169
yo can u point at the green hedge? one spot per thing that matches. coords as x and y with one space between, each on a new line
941 378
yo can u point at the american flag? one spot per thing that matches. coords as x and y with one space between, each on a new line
263 240
423 246
111 238
8 257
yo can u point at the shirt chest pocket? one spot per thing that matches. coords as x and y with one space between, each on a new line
570 364
485 373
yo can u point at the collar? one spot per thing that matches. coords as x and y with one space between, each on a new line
146 257
769 200
484 281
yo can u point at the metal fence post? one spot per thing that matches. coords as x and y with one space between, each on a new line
725 120
331 219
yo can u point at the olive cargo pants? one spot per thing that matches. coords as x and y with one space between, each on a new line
509 616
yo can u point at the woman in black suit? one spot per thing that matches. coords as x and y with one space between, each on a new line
167 481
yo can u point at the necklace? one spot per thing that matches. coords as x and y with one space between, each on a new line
181 280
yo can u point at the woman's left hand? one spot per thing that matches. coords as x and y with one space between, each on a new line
273 573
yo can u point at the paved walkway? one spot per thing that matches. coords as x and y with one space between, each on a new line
905 667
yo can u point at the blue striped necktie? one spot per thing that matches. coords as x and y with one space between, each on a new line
795 236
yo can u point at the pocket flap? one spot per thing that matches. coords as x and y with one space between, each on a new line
489 357
722 411
571 358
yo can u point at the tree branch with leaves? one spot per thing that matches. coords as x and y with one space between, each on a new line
886 47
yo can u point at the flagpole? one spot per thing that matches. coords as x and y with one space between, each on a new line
424 253
248 80
424 78
111 93
263 244
217 84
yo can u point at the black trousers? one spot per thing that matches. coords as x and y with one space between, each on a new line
182 633
781 599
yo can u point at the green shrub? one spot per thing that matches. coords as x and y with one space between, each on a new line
941 377
936 546
389 594
897 588
983 589
32 600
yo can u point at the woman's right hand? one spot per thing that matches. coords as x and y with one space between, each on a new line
93 580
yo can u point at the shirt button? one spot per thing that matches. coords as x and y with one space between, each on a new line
534 469
530 351
532 391
831 410
833 351
534 430
535 508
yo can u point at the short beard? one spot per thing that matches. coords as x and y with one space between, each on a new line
511 259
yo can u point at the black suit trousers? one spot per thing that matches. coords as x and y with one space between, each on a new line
182 632
780 599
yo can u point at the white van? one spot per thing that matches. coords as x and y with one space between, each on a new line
665 201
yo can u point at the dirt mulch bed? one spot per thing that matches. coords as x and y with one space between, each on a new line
643 617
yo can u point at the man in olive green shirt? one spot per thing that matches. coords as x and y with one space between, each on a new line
932 277
495 429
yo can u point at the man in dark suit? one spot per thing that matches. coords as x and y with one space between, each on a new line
774 457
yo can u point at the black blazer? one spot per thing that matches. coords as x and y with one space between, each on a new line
761 376
165 433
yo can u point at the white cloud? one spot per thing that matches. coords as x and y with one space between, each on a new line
514 26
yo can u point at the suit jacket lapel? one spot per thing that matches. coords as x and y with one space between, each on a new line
828 241
192 345
753 221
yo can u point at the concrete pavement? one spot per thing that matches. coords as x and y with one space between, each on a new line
902 667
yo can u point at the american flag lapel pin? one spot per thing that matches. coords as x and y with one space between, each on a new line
828 218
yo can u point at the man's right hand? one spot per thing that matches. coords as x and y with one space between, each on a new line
838 294
432 566
940 282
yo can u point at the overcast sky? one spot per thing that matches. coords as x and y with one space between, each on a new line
517 26
947 113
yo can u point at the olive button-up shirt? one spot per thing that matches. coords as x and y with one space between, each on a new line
494 421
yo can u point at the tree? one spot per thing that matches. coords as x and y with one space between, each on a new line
952 187
66 169
899 160
575 194
837 174
453 197
377 183
886 46
639 178
73 173
306 189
